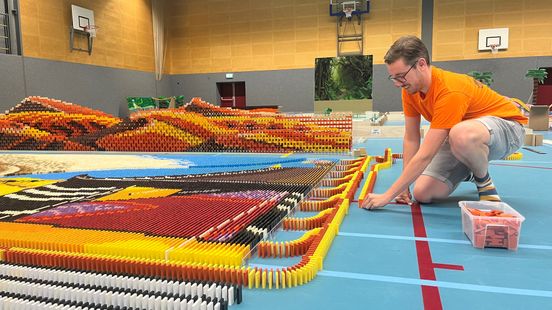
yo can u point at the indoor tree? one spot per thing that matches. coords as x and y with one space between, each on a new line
483 77
538 76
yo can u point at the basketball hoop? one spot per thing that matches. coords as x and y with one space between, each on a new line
91 29
494 49
348 12
348 8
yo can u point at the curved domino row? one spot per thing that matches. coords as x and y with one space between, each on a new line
288 248
328 192
306 223
314 244
384 162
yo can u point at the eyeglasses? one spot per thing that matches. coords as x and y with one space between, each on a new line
402 77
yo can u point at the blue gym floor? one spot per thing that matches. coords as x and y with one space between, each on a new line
376 261
374 264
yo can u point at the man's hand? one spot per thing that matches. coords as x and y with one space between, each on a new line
404 197
374 201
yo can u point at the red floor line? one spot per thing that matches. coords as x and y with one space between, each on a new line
448 266
432 298
430 295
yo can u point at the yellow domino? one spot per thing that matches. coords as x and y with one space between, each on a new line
294 277
9 186
514 156
135 192
251 278
257 279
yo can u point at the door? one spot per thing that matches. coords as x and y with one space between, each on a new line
544 90
226 94
232 94
239 94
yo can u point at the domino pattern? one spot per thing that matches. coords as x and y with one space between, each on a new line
23 287
183 227
321 230
133 226
40 123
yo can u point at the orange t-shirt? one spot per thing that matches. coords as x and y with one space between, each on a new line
454 97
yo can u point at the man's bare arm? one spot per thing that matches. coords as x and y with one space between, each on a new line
411 144
417 164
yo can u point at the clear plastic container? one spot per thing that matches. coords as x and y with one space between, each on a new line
491 231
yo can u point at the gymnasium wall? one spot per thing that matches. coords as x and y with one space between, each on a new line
209 36
12 81
292 89
97 87
271 45
215 37
454 34
121 64
124 40
456 25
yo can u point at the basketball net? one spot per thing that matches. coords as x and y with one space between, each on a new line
494 49
91 29
348 12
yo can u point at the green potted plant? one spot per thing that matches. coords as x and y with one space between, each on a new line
483 77
538 76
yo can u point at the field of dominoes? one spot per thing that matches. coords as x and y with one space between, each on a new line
181 240
40 123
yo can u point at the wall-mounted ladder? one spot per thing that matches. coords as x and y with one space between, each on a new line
5 41
350 27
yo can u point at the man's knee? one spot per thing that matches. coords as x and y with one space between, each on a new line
422 194
427 189
464 136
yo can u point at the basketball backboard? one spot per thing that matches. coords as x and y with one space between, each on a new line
347 8
493 39
82 18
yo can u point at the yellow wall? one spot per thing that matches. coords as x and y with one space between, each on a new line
124 39
246 35
456 24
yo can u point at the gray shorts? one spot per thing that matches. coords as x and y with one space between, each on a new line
506 138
